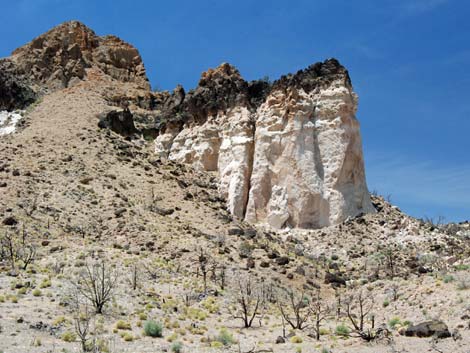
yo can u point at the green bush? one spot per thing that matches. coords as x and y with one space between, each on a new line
177 347
448 278
153 329
342 330
394 322
225 337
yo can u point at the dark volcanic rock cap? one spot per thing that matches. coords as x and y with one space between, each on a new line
223 88
318 74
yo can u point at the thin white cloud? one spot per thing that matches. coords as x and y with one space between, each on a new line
421 183
414 7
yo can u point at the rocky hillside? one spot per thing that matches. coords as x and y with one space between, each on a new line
288 154
171 204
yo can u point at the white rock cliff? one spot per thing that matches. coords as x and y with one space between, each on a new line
289 155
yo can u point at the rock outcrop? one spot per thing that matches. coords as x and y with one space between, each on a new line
60 57
121 122
287 153
15 92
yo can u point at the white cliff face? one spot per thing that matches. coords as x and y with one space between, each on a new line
295 161
224 143
308 167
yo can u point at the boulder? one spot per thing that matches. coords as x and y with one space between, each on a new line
334 279
119 121
428 329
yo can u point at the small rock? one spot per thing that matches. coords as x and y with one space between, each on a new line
120 211
282 261
250 263
273 255
235 231
10 221
250 233
264 264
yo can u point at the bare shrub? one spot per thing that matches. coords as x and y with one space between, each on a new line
295 307
16 249
248 300
358 308
96 283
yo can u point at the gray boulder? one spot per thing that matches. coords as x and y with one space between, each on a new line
428 329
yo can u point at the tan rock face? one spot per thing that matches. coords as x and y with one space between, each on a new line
59 57
290 157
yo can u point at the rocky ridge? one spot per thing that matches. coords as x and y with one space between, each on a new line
60 58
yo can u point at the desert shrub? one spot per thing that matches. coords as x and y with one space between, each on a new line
37 292
216 344
46 283
342 330
123 325
153 329
393 322
68 336
177 347
462 267
296 339
385 303
463 282
225 337
172 337
127 337
448 278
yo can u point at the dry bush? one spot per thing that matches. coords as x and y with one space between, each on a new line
96 283
248 299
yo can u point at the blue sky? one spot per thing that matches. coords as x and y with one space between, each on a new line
408 60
